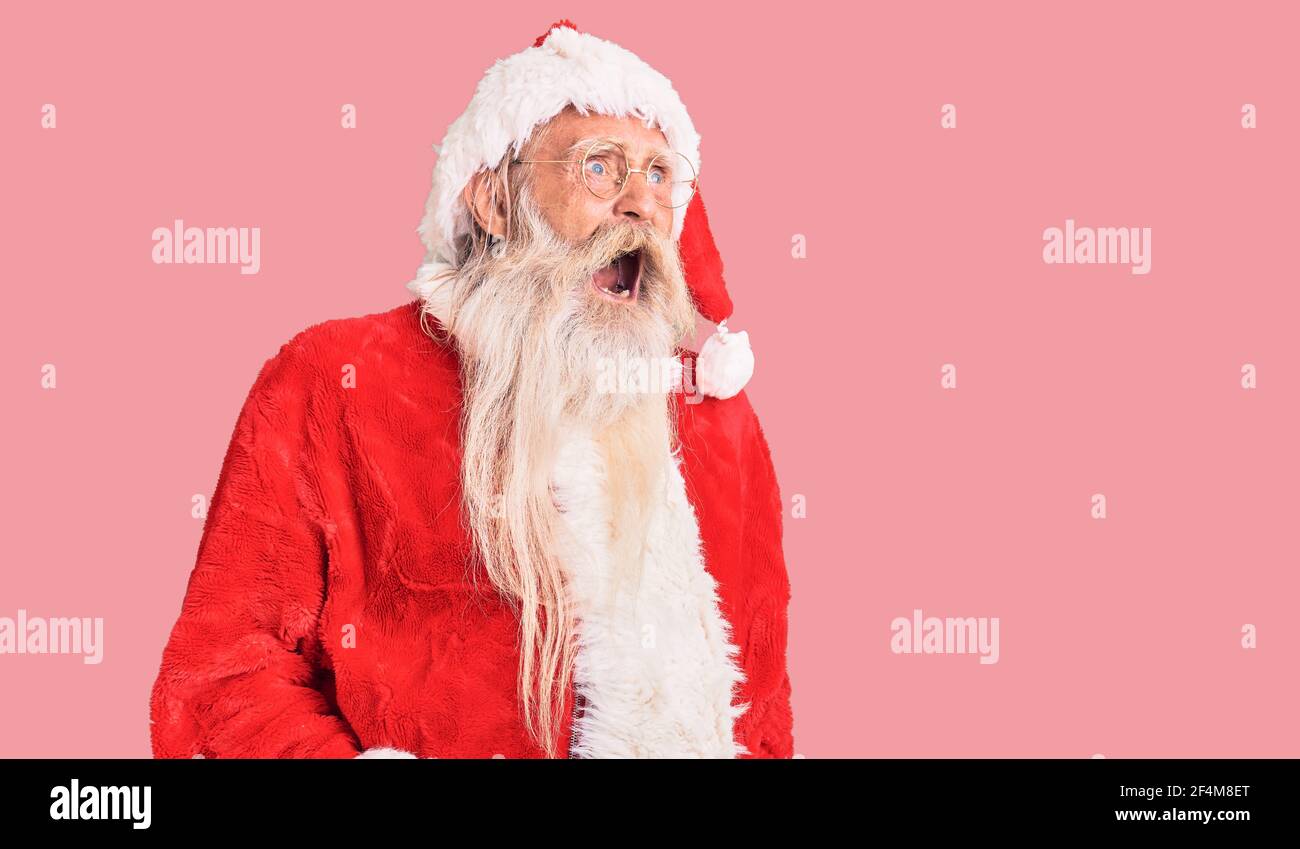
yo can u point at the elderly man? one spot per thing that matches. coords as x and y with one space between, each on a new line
470 526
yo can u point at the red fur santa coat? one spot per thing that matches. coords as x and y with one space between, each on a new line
330 614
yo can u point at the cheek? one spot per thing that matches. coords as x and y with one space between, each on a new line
584 215
664 222
573 215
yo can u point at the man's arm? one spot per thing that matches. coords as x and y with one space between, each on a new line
766 729
238 671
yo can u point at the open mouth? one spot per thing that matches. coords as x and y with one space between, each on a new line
620 280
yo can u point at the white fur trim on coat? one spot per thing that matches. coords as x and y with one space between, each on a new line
521 91
658 671
384 752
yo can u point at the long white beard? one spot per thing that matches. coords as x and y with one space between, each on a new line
533 338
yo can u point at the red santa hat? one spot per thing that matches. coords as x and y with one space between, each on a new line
522 91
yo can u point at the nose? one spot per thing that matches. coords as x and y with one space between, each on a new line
636 201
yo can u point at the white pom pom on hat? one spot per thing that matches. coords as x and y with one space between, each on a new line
726 363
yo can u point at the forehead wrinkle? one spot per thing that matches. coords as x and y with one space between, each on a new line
579 147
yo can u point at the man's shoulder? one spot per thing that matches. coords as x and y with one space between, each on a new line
382 342
396 328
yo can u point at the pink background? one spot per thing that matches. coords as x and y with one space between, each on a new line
1119 637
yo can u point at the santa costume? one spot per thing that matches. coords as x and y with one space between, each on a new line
329 613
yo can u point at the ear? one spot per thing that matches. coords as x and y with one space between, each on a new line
485 198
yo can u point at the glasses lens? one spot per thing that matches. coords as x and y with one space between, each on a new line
672 179
604 168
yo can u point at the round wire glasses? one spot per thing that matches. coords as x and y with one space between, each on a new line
605 171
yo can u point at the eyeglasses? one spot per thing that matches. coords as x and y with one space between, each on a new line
605 171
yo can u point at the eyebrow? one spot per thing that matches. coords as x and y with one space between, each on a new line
580 146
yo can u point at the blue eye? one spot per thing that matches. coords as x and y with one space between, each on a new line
598 169
657 177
